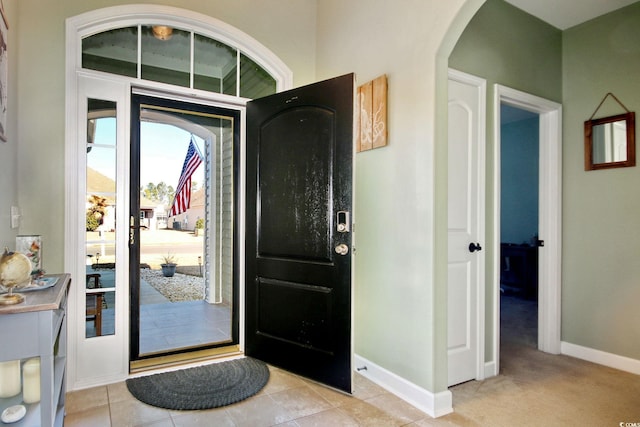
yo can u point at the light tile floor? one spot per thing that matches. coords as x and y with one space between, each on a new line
533 389
287 400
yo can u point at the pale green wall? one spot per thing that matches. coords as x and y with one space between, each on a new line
508 46
38 49
601 209
9 149
505 45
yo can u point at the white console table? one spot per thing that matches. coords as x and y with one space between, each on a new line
37 327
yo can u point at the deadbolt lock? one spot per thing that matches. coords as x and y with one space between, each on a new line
342 221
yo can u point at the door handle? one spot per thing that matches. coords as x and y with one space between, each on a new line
132 226
474 247
342 249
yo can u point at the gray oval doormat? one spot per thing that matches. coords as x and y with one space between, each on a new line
202 387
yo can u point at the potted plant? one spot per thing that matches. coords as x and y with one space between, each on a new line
169 265
199 226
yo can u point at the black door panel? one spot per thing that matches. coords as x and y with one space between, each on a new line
305 323
299 176
294 176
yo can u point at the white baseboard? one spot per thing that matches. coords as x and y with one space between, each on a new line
490 369
434 404
600 357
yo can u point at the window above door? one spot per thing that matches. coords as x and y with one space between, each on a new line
162 53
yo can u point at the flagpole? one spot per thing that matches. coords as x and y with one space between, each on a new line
197 148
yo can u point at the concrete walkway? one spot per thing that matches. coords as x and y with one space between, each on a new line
148 294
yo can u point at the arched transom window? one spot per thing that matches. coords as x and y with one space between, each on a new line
165 54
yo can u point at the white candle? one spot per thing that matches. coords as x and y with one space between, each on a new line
10 378
31 380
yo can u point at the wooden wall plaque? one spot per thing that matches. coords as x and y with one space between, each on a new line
372 114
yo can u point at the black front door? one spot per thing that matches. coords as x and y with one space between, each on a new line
298 243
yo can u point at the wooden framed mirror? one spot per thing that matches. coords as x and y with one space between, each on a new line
609 142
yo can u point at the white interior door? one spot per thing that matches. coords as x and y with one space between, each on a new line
467 96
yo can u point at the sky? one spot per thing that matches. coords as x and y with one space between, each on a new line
163 149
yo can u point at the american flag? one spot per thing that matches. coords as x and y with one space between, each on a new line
182 199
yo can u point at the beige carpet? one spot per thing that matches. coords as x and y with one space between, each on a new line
539 389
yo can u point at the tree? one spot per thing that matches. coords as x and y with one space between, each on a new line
160 192
96 212
150 192
200 223
92 222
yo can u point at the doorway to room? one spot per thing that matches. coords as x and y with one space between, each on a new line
183 240
549 198
519 218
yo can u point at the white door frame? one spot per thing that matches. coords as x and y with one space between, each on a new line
550 208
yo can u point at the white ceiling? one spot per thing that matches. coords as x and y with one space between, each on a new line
565 14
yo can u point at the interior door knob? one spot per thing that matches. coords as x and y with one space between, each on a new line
342 249
474 247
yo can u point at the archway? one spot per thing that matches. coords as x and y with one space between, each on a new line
550 272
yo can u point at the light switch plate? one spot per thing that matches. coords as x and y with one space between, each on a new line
15 217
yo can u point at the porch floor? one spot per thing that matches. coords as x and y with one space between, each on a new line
172 325
166 325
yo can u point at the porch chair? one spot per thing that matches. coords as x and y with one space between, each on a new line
94 302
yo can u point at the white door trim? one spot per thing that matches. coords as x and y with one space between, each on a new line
550 206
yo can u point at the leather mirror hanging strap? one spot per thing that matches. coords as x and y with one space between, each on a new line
602 102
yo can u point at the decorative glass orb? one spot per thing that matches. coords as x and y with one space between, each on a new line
15 272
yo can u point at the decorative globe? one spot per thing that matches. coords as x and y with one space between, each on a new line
15 272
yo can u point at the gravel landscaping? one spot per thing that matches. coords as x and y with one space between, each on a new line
180 287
